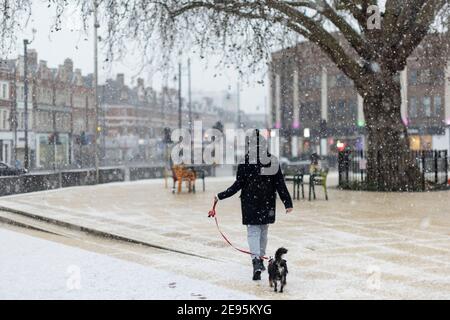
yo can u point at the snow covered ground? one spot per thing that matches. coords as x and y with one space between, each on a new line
356 245
33 268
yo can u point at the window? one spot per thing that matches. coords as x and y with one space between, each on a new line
331 81
427 106
4 94
425 76
21 121
343 81
310 113
310 82
20 93
413 107
437 106
343 113
438 76
5 119
413 77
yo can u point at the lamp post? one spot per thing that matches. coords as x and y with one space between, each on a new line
179 96
238 103
96 26
13 117
189 96
25 89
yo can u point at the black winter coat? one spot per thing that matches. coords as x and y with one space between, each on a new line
258 195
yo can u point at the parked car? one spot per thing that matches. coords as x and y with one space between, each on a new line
7 170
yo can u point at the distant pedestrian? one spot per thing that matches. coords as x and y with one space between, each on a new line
314 166
258 198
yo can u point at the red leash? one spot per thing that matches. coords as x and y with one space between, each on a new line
212 213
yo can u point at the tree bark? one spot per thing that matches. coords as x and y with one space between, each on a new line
390 163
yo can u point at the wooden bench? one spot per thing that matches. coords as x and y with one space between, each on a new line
182 173
190 175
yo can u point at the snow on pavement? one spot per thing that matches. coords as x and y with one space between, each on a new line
356 245
33 268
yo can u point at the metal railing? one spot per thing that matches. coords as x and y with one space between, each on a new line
432 166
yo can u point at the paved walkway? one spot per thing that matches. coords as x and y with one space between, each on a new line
357 245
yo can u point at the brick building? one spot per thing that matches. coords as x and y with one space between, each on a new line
60 108
307 89
134 118
61 116
6 106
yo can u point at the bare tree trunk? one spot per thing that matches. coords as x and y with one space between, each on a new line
390 166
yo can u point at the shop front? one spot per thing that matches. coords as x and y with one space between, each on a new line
52 150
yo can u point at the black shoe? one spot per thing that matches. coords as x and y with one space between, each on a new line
263 268
256 269
257 275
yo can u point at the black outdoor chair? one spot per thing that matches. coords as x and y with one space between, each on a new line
296 176
201 175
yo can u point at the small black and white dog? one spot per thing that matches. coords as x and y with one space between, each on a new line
278 270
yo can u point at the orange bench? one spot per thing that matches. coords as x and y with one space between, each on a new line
181 173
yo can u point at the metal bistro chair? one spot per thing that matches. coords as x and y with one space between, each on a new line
200 175
318 179
296 176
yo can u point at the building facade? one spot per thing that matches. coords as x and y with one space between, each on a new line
318 109
62 129
134 118
60 106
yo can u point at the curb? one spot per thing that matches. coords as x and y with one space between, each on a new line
23 225
87 230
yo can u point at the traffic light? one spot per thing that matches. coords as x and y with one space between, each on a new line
167 135
83 138
218 126
51 138
323 130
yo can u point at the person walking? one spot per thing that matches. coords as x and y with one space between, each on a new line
258 198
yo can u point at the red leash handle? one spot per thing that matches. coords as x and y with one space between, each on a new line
212 214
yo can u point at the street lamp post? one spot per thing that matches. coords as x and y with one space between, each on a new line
25 88
55 134
189 95
238 105
13 117
179 96
96 26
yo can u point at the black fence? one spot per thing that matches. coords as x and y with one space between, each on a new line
40 181
432 166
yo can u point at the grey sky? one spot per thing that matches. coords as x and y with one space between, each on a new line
73 43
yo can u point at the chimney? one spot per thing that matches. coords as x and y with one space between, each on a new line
78 77
120 79
61 73
43 70
68 66
140 83
32 57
